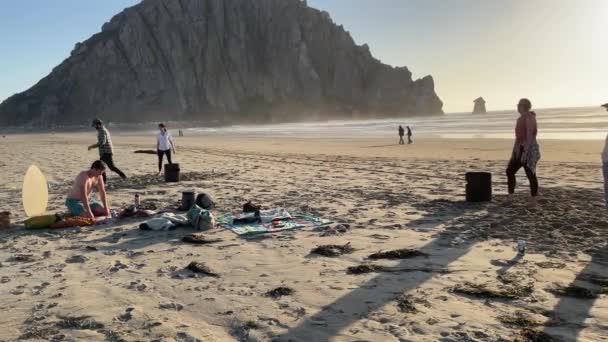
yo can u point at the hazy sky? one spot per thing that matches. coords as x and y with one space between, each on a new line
553 51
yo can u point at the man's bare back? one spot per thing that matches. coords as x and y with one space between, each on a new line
78 201
84 181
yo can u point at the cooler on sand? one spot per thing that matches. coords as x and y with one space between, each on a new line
172 173
479 186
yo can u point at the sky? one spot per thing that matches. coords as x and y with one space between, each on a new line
554 52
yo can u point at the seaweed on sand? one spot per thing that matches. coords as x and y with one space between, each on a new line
519 319
241 330
483 291
38 332
199 239
201 268
365 268
403 253
280 292
550 264
333 250
573 291
531 335
405 303
78 323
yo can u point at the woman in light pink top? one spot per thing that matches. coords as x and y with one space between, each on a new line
526 152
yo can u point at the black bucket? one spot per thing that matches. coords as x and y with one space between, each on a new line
188 200
171 173
479 186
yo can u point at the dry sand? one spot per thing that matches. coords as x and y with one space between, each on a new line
114 282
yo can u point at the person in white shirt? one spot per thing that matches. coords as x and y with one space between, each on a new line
164 146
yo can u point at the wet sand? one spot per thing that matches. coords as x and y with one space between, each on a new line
115 282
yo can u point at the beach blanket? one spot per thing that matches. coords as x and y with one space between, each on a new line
294 222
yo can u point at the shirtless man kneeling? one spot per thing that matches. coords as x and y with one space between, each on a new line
78 201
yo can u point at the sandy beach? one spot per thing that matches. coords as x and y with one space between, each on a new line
115 282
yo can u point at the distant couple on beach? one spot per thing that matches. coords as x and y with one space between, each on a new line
526 151
164 147
402 133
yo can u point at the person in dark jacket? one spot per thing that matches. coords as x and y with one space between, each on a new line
401 134
106 150
409 135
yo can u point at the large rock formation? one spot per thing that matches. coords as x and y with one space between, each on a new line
605 105
220 60
480 106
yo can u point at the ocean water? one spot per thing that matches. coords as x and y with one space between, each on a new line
555 123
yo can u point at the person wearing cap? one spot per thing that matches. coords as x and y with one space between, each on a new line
106 152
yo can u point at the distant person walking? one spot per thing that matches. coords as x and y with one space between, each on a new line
164 146
401 134
605 170
409 135
526 152
106 151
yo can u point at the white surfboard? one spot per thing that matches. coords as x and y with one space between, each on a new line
35 192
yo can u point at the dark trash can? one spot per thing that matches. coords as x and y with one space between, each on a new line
188 200
171 173
479 186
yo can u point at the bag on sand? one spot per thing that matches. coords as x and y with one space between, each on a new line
205 201
249 207
200 219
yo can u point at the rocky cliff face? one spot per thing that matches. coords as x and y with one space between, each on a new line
226 60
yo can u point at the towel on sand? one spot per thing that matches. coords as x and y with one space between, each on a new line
281 223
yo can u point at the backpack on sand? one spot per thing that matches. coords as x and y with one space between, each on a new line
205 201
200 219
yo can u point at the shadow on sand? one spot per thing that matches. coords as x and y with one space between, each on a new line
548 229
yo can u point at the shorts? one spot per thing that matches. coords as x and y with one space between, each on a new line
76 207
